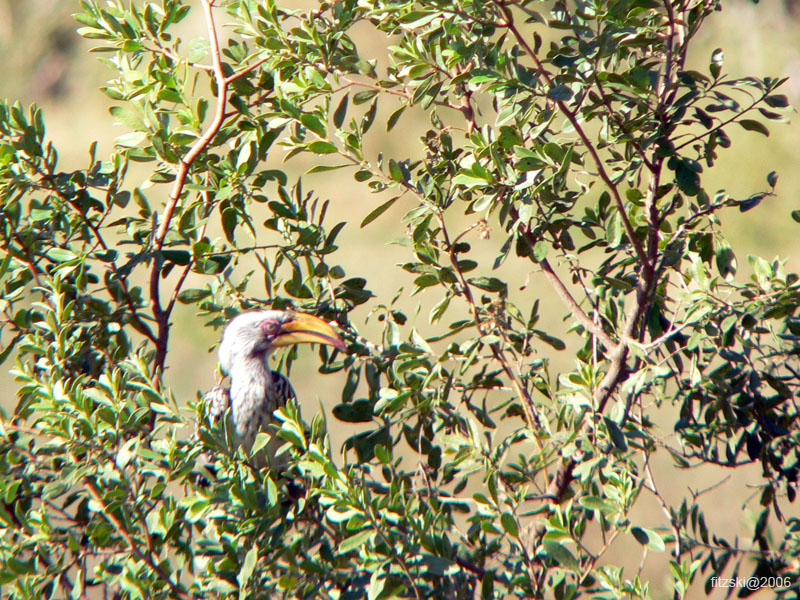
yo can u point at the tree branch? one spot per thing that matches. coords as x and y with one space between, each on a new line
161 315
563 293
527 402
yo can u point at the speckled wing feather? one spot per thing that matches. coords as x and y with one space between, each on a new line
218 400
283 390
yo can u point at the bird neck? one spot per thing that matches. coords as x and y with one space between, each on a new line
251 396
252 372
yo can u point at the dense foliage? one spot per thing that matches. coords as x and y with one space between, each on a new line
567 137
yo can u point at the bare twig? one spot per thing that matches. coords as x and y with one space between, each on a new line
566 296
676 528
594 557
248 69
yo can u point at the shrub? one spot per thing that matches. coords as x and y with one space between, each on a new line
568 139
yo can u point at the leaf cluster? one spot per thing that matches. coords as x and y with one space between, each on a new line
569 138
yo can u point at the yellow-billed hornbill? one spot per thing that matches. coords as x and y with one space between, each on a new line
256 391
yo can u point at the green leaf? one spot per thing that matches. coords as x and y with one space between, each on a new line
420 342
192 296
561 555
361 538
614 230
369 116
230 219
364 443
598 504
394 117
179 257
717 60
248 566
469 179
687 175
359 411
487 585
560 93
341 111
490 284
128 117
550 340
320 147
395 171
540 250
363 97
649 538
382 454
509 524
261 441
377 583
616 434
61 255
272 492
325 168
377 212
777 101
725 258
751 202
772 179
439 309
752 125
314 123
362 175
130 140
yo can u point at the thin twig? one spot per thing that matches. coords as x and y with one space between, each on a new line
575 308
527 402
676 529
234 76
187 269
572 118
146 558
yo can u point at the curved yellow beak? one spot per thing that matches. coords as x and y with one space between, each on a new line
303 328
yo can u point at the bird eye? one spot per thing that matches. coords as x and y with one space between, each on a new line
270 328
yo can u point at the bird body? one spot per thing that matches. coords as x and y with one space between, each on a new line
253 413
256 391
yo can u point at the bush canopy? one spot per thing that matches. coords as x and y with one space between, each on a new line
562 151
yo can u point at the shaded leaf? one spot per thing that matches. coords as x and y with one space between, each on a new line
752 125
560 93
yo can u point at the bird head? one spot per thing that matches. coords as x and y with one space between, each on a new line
256 333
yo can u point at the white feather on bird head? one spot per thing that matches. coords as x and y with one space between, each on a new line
254 334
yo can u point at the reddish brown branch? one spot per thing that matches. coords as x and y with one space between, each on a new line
617 352
161 315
188 268
560 289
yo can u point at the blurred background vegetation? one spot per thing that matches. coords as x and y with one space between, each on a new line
44 61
